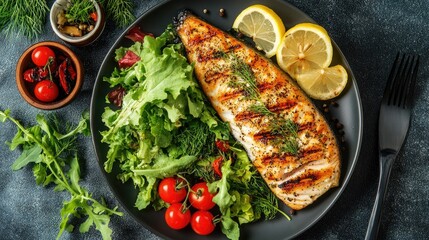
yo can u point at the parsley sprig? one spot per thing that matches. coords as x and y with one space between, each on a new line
53 155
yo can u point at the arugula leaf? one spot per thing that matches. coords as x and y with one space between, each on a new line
55 160
28 155
164 166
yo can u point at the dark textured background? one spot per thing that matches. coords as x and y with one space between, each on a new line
369 34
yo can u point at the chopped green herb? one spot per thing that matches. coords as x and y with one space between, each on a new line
79 10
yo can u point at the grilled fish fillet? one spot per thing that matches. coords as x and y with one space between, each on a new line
297 179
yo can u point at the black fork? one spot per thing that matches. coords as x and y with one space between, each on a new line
393 124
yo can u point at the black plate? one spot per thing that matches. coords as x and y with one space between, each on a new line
349 113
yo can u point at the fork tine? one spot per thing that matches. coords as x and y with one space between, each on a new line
397 79
391 80
411 83
402 81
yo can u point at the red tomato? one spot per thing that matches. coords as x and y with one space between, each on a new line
41 55
222 145
93 15
217 166
176 217
46 91
200 197
202 222
172 190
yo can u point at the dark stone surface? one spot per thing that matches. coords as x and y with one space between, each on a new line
369 34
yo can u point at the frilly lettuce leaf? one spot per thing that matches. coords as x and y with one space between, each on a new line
162 100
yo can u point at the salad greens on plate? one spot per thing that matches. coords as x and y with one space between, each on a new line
165 127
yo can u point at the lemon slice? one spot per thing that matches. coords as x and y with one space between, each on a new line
304 47
263 25
324 83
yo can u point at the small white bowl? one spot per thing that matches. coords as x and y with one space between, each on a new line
60 5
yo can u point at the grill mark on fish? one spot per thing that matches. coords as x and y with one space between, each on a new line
211 76
297 180
265 136
282 106
278 158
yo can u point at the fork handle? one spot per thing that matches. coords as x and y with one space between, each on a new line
386 162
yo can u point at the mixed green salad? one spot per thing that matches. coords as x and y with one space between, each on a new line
165 128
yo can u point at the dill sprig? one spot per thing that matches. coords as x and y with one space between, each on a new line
196 140
261 109
23 17
288 130
264 201
120 11
245 78
285 129
5 12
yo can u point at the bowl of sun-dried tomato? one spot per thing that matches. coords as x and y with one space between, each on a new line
49 75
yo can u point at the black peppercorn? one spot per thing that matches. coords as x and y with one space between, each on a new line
221 12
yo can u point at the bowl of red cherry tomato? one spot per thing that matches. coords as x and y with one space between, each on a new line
49 75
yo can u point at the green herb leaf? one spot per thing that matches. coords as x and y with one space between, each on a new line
230 227
165 166
55 162
28 156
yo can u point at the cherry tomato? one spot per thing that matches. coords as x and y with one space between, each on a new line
200 197
217 166
176 217
172 190
202 222
46 91
222 145
41 55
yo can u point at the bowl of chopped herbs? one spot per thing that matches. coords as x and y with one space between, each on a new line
77 22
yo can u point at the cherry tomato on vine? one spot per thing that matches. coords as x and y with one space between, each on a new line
200 197
40 55
172 190
46 91
202 222
177 217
